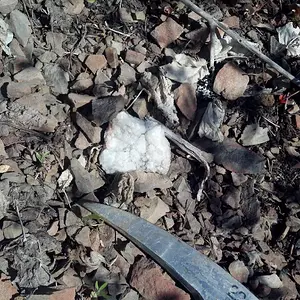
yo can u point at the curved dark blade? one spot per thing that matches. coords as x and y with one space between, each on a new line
200 275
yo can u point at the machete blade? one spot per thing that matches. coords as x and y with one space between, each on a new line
203 278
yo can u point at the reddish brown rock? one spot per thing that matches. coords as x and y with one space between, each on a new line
112 57
297 121
147 278
65 294
96 62
8 291
230 82
232 22
167 32
133 57
186 100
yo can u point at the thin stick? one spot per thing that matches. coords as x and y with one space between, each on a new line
135 99
21 222
269 121
211 20
116 31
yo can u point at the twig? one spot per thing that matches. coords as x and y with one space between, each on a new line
269 121
213 40
135 99
195 152
242 41
21 222
116 31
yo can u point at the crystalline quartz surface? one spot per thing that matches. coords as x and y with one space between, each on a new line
133 144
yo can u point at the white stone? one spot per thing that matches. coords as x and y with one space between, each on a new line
133 144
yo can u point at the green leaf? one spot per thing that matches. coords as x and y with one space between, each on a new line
97 286
91 1
92 217
103 286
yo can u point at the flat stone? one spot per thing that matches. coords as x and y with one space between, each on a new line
31 76
127 75
20 26
145 182
133 57
140 15
47 57
81 142
118 46
143 66
79 100
152 209
230 82
92 132
82 84
55 40
85 182
167 32
148 279
7 6
185 99
17 90
105 109
239 271
232 22
83 237
238 179
11 230
57 79
125 15
140 108
95 62
38 101
8 290
297 121
194 16
232 197
112 57
64 294
139 48
73 7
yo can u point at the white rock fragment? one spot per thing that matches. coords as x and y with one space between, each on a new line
6 36
65 179
133 144
272 281
289 36
254 135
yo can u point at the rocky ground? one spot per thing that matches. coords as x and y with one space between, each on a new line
79 80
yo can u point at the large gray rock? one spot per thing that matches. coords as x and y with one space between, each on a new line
7 6
20 26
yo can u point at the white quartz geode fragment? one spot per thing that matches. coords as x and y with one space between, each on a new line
133 144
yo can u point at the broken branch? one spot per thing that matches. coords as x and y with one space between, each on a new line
242 41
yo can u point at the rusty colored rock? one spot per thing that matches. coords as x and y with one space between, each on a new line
186 100
147 278
230 82
232 22
8 291
167 32
297 121
112 57
96 62
133 57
